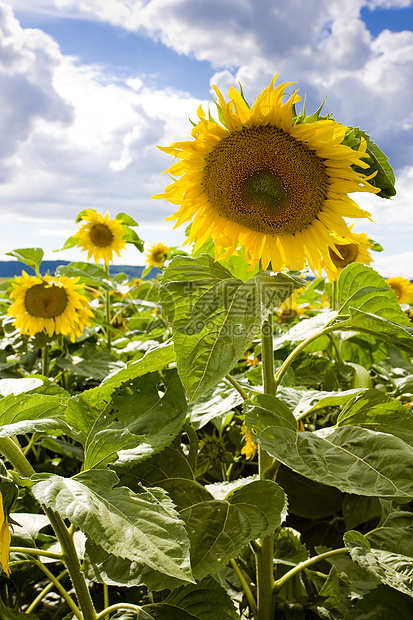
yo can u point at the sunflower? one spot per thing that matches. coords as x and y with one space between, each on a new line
100 236
264 181
53 304
403 289
345 253
250 448
5 538
156 255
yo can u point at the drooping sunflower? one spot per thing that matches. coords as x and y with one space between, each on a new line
264 181
156 255
403 289
100 236
5 538
345 253
54 304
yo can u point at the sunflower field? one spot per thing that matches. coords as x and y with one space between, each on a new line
232 438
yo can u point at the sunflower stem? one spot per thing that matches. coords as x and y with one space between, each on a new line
15 456
45 360
265 558
108 317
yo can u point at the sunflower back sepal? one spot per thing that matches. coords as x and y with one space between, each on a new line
377 160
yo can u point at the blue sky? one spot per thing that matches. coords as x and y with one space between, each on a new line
89 88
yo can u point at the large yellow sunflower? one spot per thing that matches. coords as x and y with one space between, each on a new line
100 236
403 289
263 181
156 255
53 304
345 253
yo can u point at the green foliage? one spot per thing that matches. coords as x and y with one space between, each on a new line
29 256
162 504
214 317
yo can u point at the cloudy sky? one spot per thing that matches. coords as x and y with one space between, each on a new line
88 88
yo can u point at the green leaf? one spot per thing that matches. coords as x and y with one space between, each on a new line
126 219
207 600
104 567
130 236
380 412
6 613
382 603
361 288
220 400
89 274
377 160
305 329
155 359
98 366
142 527
131 416
394 570
395 534
307 498
219 529
214 317
394 334
27 413
29 256
353 459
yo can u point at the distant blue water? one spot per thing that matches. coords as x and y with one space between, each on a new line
9 269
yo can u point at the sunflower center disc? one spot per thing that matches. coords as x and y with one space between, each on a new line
101 235
159 256
348 252
45 301
265 180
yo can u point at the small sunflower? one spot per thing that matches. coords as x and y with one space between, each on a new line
250 448
266 182
403 289
54 304
5 538
100 236
345 253
156 255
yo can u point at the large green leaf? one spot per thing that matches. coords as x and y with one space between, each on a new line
142 527
132 417
355 460
153 360
29 256
380 412
393 334
28 413
392 569
214 317
207 600
361 288
220 400
395 534
89 274
382 603
219 529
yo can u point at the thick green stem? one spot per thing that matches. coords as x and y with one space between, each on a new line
245 586
317 558
265 556
108 317
237 386
45 360
13 453
287 363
